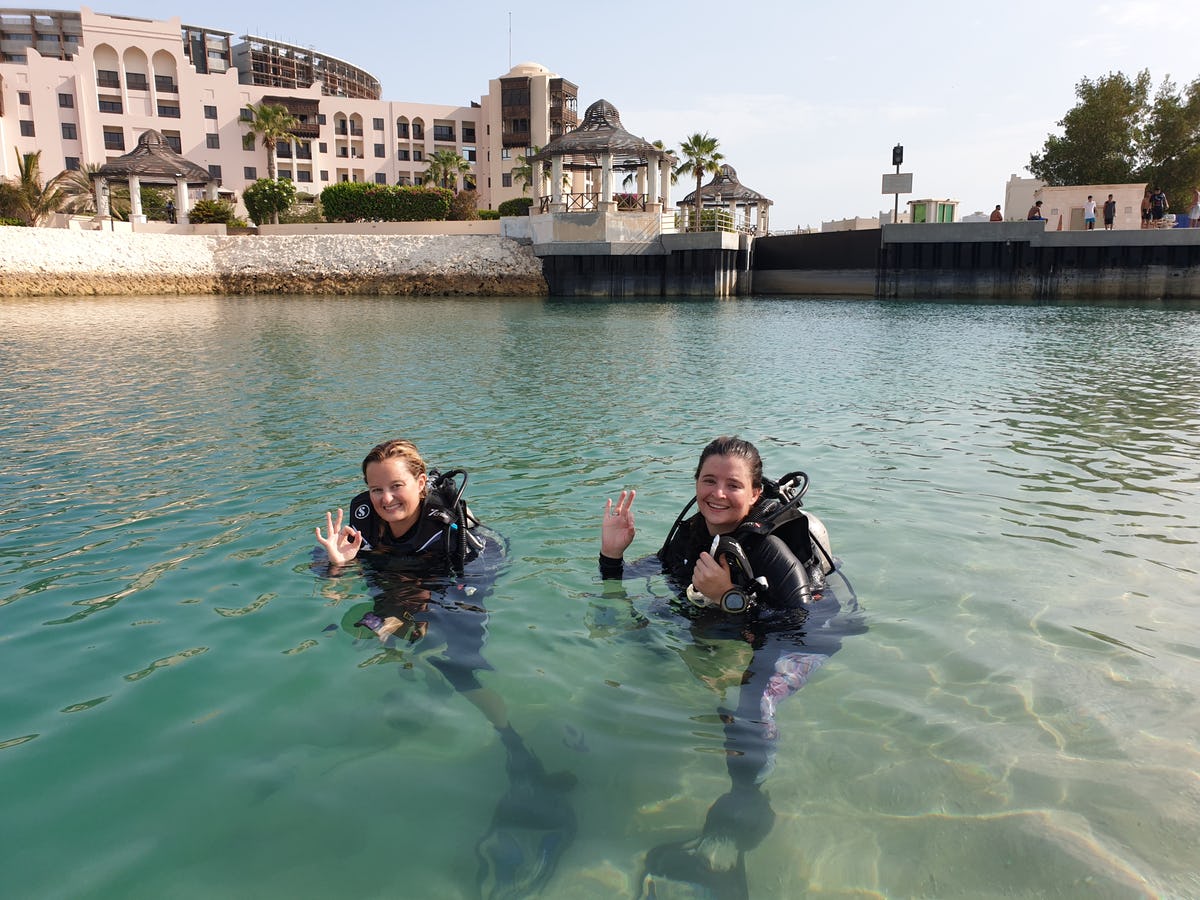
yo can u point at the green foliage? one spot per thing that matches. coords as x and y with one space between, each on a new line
26 197
518 206
305 212
154 203
700 158
267 198
212 212
10 221
490 215
350 201
444 169
1115 134
463 208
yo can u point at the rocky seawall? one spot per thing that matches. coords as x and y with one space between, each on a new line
56 262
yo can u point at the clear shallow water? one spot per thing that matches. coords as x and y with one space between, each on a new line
1013 490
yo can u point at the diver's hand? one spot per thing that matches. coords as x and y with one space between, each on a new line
711 578
616 534
341 542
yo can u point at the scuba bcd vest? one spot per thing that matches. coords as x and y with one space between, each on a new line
778 512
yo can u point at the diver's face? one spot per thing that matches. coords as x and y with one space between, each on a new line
395 493
725 492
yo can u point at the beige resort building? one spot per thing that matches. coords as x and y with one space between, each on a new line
82 87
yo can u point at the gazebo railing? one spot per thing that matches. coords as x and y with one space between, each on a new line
588 202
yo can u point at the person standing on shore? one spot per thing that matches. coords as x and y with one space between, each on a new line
1089 214
171 211
1146 209
1158 207
1194 212
1110 212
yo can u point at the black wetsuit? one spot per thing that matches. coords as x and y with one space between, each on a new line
780 627
413 579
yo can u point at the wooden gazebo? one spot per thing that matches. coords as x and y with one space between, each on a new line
727 193
152 161
596 150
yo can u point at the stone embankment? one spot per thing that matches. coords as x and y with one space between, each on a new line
56 262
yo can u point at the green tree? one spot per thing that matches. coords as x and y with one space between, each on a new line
268 198
1115 134
272 123
445 167
26 197
700 158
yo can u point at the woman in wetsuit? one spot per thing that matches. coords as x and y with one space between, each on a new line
792 627
429 562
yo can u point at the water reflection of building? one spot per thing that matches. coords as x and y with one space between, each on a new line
83 86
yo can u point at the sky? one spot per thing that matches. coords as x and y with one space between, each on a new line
806 98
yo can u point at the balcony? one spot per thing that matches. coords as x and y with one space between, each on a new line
107 79
165 84
136 81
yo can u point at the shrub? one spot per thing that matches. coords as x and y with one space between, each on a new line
519 206
490 215
266 197
303 211
7 221
212 212
154 203
350 201
463 207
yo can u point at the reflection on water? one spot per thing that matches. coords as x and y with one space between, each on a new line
1012 488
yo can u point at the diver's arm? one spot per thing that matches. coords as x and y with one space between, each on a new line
616 534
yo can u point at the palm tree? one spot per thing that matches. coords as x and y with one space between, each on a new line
26 196
445 166
700 158
273 124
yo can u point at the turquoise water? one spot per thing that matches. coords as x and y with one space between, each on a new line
1012 488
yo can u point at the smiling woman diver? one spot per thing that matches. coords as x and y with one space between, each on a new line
429 563
753 568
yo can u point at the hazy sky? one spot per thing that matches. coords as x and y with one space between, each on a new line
806 98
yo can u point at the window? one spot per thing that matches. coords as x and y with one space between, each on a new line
285 176
380 178
210 112
23 98
250 173
110 105
380 151
247 115
377 124
324 174
27 128
505 153
402 129
173 141
69 131
108 78
212 141
136 81
305 176
468 134
247 141
66 101
322 147
506 180
418 131
72 163
321 121
443 133
418 156
469 154
402 154
165 84
214 172
403 179
114 139
168 111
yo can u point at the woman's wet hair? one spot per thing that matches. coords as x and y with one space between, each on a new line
735 446
397 449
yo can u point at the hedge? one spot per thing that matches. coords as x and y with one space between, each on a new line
518 206
355 201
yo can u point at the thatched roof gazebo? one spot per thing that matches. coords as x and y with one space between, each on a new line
592 152
725 191
152 161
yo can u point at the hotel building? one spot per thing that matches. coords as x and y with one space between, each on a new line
82 86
